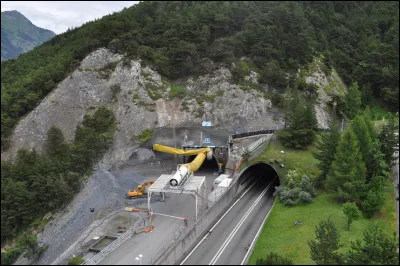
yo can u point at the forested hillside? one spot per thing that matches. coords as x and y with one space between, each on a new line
360 39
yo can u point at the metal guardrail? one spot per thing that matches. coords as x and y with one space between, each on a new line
266 131
110 248
253 133
255 145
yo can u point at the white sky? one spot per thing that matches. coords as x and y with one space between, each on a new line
58 16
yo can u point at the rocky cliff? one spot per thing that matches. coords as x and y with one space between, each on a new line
141 99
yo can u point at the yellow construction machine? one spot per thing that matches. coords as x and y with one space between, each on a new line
141 190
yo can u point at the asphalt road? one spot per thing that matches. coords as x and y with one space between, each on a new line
229 240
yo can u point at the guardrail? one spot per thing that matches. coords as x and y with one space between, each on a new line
253 133
255 145
110 248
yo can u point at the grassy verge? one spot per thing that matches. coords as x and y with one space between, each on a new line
299 159
282 236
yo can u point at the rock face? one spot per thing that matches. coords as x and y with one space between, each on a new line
328 86
140 100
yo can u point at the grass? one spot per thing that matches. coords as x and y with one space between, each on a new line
378 113
280 235
294 159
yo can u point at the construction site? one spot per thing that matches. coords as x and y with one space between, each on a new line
147 202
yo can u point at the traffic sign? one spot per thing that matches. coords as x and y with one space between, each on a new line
206 124
207 140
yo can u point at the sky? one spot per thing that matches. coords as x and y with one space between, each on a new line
58 16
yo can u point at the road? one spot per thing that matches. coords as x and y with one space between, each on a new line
230 238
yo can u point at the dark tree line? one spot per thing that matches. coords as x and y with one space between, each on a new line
359 39
36 183
356 162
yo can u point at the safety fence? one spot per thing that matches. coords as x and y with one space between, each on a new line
137 227
110 248
180 246
253 133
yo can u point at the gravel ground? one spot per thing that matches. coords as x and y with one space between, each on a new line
106 190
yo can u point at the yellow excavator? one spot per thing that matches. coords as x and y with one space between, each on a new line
141 190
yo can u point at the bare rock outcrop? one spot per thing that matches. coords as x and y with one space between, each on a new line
140 100
328 86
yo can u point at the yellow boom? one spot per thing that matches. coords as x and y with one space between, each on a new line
193 165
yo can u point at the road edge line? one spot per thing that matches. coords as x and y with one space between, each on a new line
246 257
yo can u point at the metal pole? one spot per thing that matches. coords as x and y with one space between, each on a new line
196 207
148 200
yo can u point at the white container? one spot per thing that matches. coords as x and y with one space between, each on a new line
225 183
219 179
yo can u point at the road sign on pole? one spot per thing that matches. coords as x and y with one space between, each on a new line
207 140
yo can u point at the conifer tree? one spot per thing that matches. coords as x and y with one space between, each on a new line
326 148
348 174
324 248
56 146
389 140
376 248
353 101
352 213
362 133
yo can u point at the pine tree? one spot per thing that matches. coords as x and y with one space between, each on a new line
353 101
375 197
376 249
352 213
301 122
55 143
361 131
324 248
389 141
326 148
348 174
367 116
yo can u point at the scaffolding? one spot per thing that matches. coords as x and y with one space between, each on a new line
194 185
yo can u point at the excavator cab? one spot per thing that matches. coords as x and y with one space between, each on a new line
140 190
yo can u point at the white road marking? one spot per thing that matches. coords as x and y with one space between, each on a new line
212 228
237 227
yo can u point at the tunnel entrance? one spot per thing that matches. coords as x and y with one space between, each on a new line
258 172
208 166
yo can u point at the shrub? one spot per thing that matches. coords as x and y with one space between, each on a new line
145 135
177 91
306 186
274 259
10 255
305 197
78 260
115 89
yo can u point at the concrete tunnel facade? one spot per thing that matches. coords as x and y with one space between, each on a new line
257 170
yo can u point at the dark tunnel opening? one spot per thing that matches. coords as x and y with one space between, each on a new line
207 166
262 173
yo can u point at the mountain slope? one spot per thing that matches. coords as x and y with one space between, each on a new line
19 35
182 39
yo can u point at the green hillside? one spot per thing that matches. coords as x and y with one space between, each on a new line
19 35
359 39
